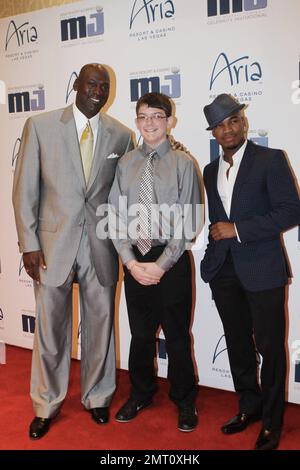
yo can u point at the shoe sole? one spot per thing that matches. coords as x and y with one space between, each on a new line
128 420
38 437
125 420
187 430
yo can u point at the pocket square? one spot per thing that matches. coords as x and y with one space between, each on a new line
113 155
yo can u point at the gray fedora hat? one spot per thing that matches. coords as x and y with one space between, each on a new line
222 107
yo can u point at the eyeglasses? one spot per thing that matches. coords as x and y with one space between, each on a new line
156 117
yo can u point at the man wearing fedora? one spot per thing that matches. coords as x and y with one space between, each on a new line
252 199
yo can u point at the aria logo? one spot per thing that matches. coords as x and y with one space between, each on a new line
83 26
223 7
261 139
21 266
151 11
71 81
169 84
220 348
24 101
15 153
20 35
24 278
235 71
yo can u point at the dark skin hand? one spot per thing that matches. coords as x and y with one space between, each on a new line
222 230
175 145
33 261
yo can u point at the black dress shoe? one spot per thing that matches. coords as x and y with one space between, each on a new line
130 409
240 422
268 440
39 427
100 415
187 418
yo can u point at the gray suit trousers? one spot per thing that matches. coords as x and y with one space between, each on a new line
52 340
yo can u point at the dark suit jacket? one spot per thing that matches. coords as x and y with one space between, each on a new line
264 203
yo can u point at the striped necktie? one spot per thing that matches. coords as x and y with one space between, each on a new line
145 206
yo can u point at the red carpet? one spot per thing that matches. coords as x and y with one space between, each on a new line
154 428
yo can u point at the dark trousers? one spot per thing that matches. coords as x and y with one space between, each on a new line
168 304
244 313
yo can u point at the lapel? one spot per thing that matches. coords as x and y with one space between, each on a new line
70 136
219 203
243 174
101 149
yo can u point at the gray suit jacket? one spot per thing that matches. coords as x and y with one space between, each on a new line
50 196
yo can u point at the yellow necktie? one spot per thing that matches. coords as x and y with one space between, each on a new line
86 149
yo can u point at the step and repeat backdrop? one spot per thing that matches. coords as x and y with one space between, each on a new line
191 50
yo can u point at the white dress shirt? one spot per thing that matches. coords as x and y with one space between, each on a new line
81 121
226 181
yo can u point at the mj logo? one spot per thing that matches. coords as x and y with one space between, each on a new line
28 323
223 7
22 101
171 86
81 26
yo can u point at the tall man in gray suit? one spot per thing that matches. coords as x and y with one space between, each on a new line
64 172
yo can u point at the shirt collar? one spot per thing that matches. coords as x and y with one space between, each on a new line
81 119
237 157
161 150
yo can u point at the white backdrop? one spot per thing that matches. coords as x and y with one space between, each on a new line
191 50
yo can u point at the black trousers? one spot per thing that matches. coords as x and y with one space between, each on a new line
244 314
168 305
